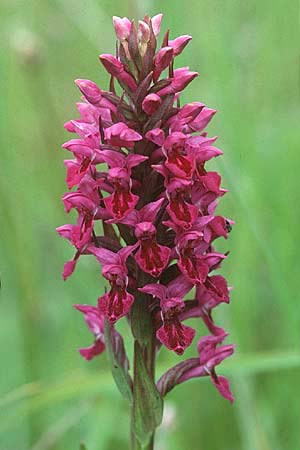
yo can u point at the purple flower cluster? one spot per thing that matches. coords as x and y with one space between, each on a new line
146 201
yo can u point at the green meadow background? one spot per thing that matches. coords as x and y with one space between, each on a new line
247 57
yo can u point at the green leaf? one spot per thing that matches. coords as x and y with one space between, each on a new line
147 403
119 363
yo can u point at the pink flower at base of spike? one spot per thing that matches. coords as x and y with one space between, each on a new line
117 302
172 333
210 355
145 202
95 323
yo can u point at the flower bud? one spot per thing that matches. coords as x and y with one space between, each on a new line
143 32
90 90
122 27
161 61
116 69
150 103
179 44
156 21
182 77
157 136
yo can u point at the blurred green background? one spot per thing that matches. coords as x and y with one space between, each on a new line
246 53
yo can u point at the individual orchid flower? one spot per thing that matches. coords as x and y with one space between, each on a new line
87 153
184 115
202 151
121 135
79 235
191 117
117 302
215 288
207 297
180 208
192 263
173 334
179 162
201 121
206 190
90 117
122 200
150 256
178 191
210 356
83 129
95 322
85 201
217 226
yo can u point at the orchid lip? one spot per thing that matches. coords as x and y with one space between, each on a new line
146 237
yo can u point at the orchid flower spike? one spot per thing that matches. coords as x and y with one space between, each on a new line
145 201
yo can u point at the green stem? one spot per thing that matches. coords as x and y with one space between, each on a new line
144 406
149 360
135 445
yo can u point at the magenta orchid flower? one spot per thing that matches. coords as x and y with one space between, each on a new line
122 200
151 257
178 162
207 297
210 355
117 302
192 263
192 117
173 334
181 209
95 322
121 135
87 156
